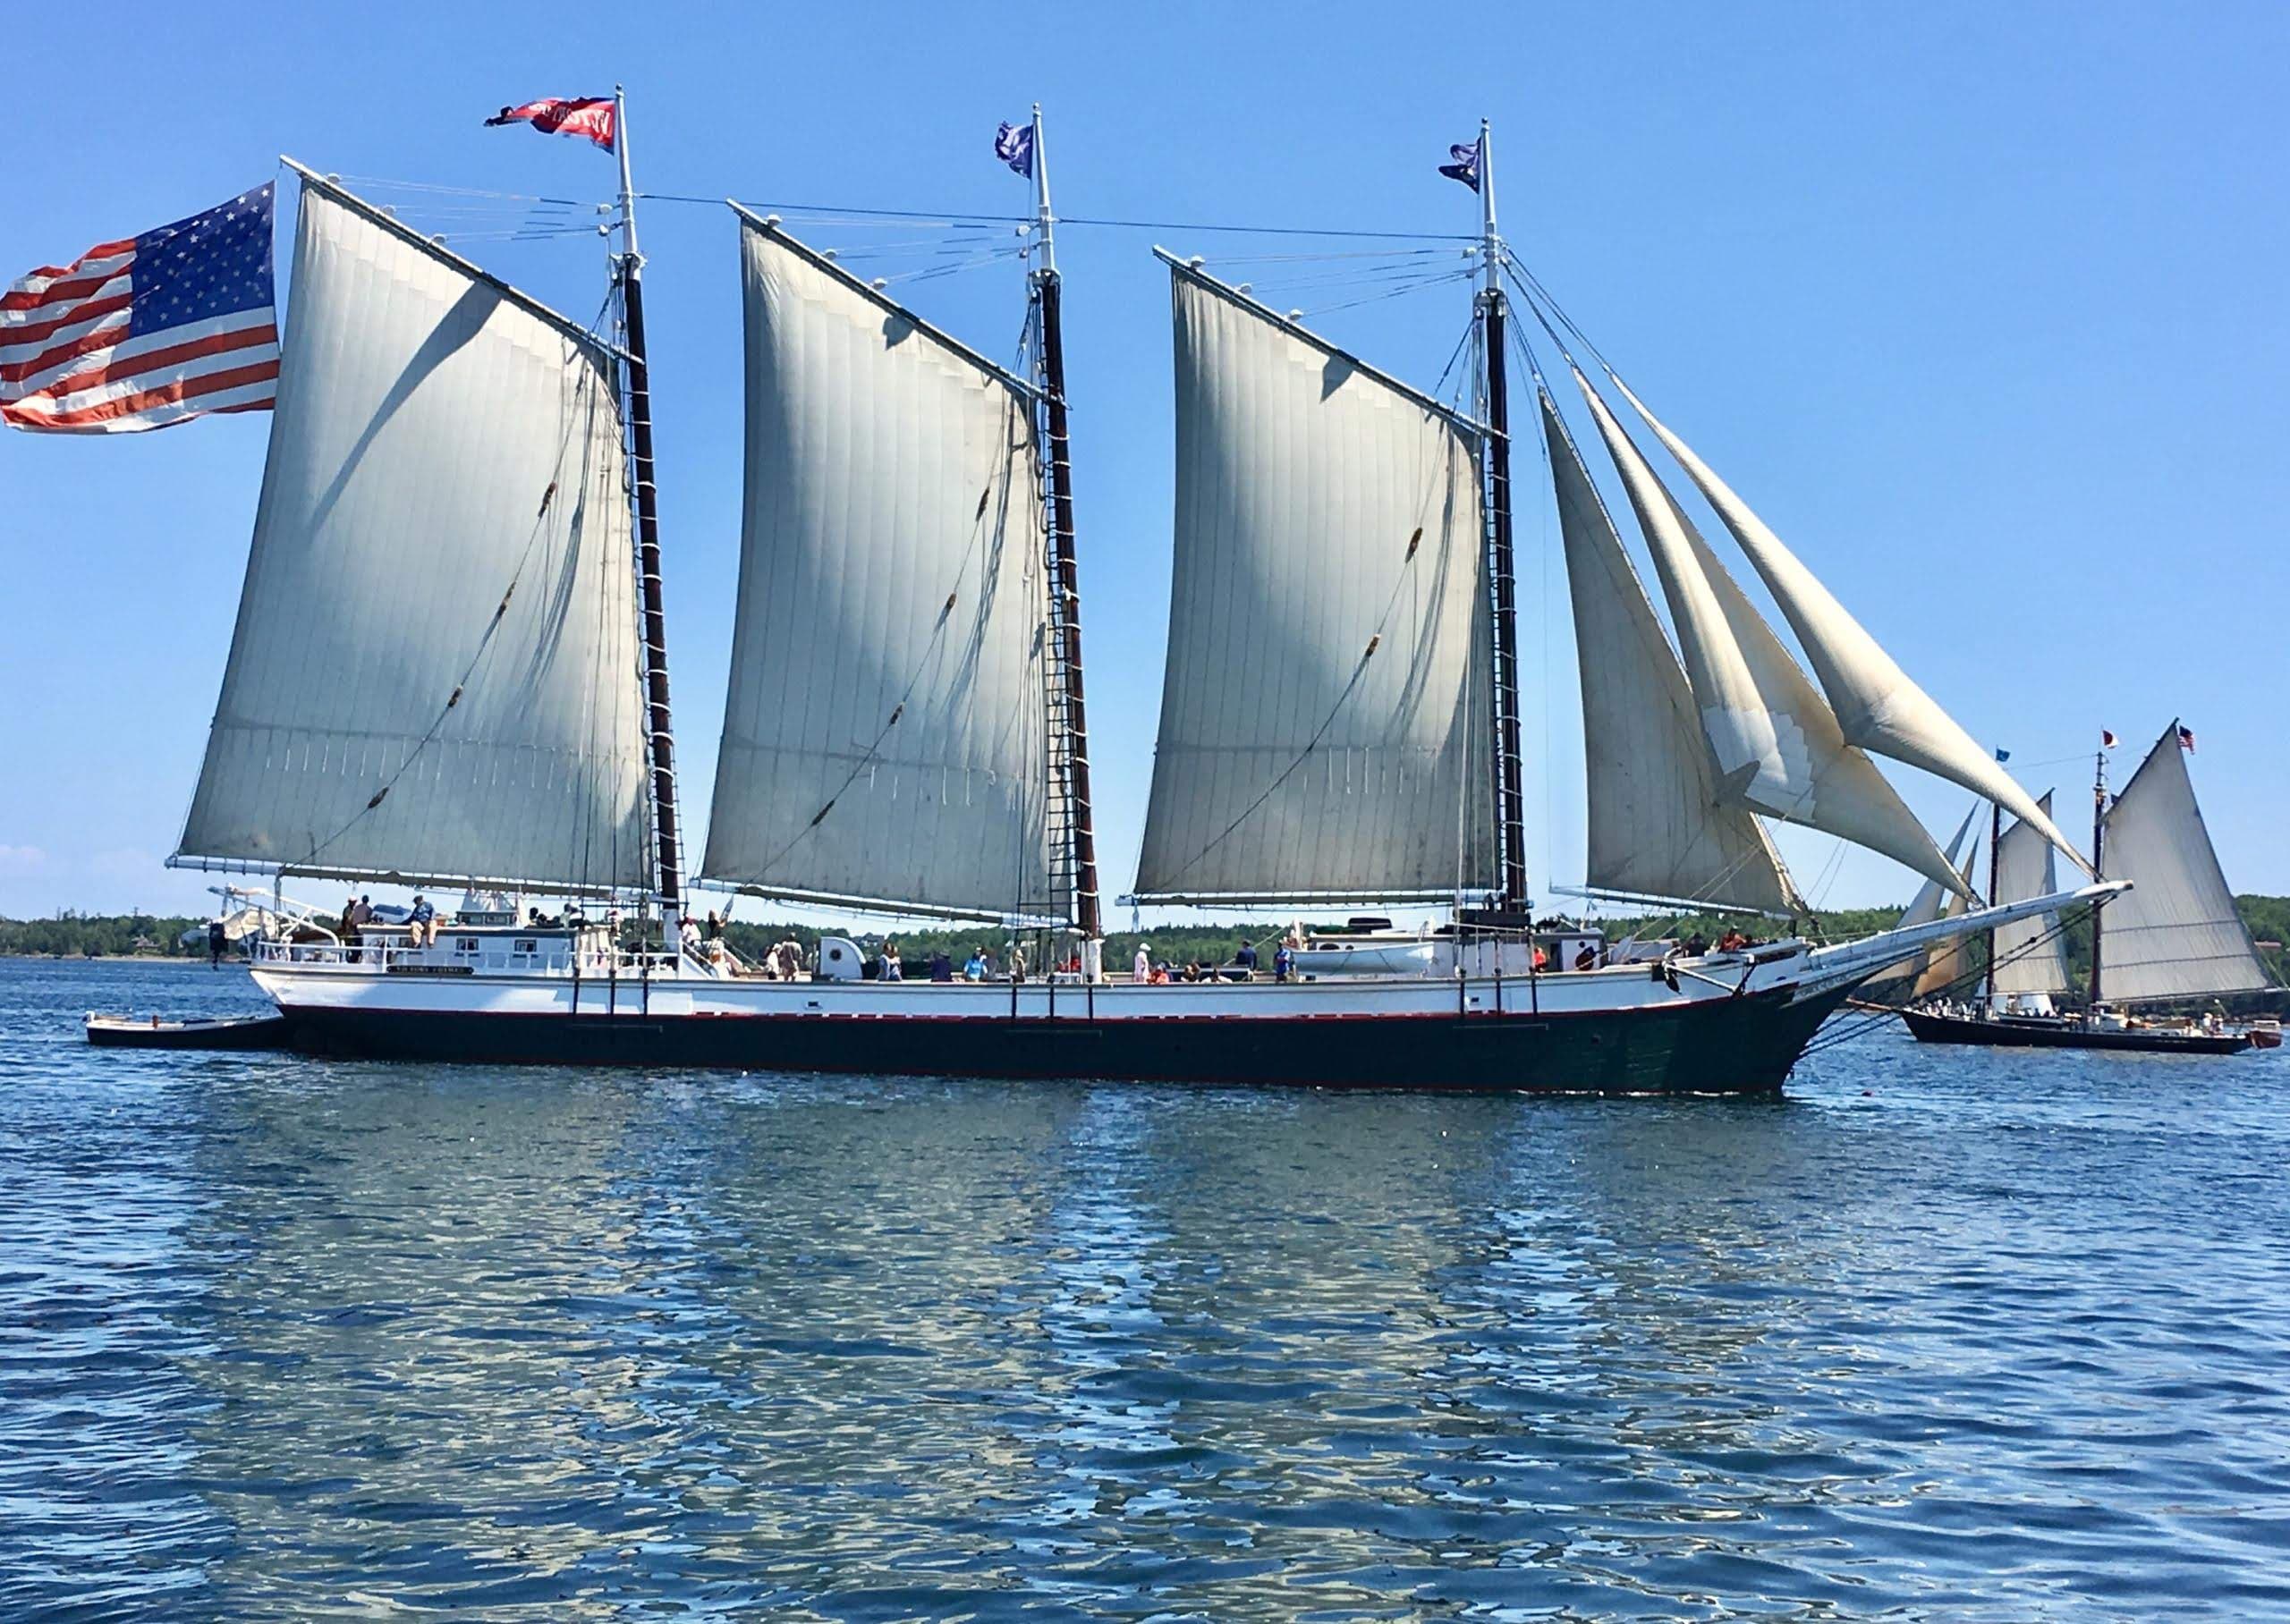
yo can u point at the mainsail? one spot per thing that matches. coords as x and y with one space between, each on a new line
1658 826
2177 933
434 673
1324 716
885 737
1878 705
2031 955
1777 742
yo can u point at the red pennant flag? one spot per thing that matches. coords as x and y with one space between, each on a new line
2107 739
588 115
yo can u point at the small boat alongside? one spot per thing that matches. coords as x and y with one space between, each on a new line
243 1032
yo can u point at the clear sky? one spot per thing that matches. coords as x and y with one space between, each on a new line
1982 307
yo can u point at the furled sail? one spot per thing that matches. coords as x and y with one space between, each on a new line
2031 955
1777 742
884 736
2177 933
1658 826
1324 717
1876 705
434 673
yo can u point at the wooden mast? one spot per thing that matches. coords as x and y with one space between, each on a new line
1995 844
2099 870
1509 813
647 540
1047 296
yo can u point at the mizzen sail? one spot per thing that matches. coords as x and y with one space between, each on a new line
1657 826
1324 716
884 736
433 675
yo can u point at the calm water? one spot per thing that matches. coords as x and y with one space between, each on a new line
1944 1335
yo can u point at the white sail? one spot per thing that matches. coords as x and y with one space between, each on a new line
2031 955
1924 907
1876 705
885 732
1776 738
1324 717
2177 933
1941 964
1658 827
434 673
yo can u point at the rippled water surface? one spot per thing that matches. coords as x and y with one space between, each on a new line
1943 1334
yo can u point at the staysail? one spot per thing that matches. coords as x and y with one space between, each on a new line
1658 826
1876 705
434 673
885 737
2177 933
1943 964
2031 955
1777 742
1324 716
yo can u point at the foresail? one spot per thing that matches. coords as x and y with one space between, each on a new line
1924 907
434 673
1939 965
2177 933
2031 954
1658 827
1325 715
1877 706
884 732
1776 738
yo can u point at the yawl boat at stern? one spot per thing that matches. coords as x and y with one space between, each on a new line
449 666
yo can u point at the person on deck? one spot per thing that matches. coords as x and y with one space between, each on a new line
1732 942
1244 956
942 968
1284 962
1696 945
1588 958
892 969
974 967
421 924
1017 961
1142 970
217 939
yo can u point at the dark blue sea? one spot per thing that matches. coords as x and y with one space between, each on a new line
1943 1335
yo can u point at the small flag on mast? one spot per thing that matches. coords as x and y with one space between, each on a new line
2002 754
2107 739
146 331
2187 738
588 115
1013 144
1466 168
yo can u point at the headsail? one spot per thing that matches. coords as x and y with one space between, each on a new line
2177 933
1658 826
1776 741
885 737
1924 907
1325 718
433 675
1944 964
2031 955
1876 705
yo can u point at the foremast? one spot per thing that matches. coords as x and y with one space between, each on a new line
1509 801
652 612
2098 865
1072 715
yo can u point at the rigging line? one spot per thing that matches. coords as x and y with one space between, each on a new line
1869 1022
1412 287
472 191
1103 221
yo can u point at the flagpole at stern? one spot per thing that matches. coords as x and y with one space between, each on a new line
655 626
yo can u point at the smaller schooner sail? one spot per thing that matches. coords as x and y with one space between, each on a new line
2176 934
2030 957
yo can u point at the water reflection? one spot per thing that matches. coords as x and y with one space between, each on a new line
279 1340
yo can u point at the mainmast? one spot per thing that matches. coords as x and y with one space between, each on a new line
1047 290
2098 861
648 536
1510 818
1995 844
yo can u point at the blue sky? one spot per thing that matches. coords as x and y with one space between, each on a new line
1981 307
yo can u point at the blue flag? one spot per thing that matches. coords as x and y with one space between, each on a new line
1465 168
1013 144
2003 755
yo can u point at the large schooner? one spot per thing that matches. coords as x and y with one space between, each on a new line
449 668
2175 940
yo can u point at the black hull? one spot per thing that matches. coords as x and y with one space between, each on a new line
2009 1034
1742 1045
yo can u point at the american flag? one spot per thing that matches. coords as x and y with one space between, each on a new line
2186 738
148 330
